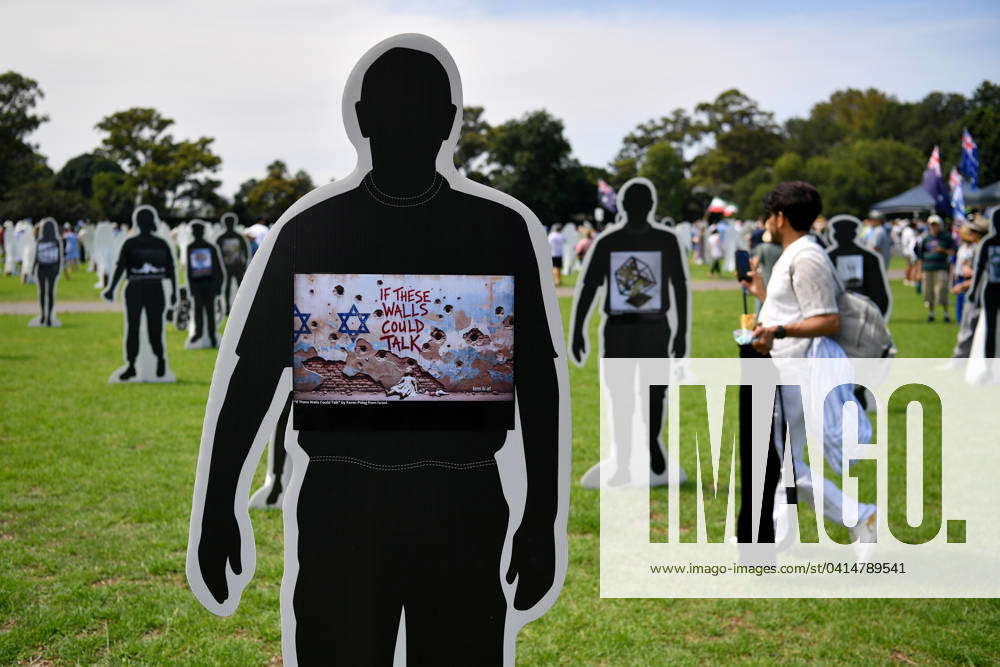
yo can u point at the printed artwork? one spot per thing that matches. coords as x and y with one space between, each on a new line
230 251
993 264
380 338
635 281
851 270
200 263
48 252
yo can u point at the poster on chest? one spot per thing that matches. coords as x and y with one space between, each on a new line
385 339
636 278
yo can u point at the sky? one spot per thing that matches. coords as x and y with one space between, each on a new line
265 78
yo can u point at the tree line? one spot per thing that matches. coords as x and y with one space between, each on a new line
857 147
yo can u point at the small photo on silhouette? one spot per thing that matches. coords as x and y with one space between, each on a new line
201 263
636 282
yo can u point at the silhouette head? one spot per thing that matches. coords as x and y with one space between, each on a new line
845 231
144 218
405 106
637 201
229 220
198 230
49 230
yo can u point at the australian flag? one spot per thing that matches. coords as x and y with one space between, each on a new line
606 196
934 185
970 159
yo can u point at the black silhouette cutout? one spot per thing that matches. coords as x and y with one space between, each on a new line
412 518
985 289
235 255
47 268
146 261
617 261
205 277
860 269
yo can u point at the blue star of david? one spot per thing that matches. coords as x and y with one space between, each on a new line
362 318
303 319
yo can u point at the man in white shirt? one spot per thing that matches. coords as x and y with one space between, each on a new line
799 318
556 243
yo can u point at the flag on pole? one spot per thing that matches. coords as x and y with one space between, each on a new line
970 159
957 196
606 196
934 185
720 205
934 163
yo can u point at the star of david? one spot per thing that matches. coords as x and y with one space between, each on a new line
303 319
362 318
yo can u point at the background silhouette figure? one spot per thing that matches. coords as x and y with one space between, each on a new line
393 516
985 288
235 255
205 277
640 263
860 269
146 261
47 267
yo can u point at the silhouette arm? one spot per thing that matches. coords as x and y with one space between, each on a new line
254 352
977 274
678 280
539 408
109 293
592 276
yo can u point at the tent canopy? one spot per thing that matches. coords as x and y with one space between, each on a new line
985 196
916 199
913 200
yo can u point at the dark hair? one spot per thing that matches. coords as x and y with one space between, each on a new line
798 200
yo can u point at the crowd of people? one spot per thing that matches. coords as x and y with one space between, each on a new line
936 257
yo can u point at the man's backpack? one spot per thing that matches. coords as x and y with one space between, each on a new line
863 332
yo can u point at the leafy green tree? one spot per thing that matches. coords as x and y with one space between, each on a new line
269 197
19 161
40 199
531 160
983 121
936 120
77 175
745 137
159 167
856 175
114 196
664 167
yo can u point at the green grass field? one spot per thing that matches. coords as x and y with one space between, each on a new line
95 492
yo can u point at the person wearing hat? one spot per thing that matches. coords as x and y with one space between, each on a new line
972 233
934 251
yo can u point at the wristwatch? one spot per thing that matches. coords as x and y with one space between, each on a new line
779 332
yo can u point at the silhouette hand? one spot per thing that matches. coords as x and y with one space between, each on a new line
220 543
108 295
532 563
173 299
680 349
579 348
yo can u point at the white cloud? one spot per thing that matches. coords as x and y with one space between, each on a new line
265 79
